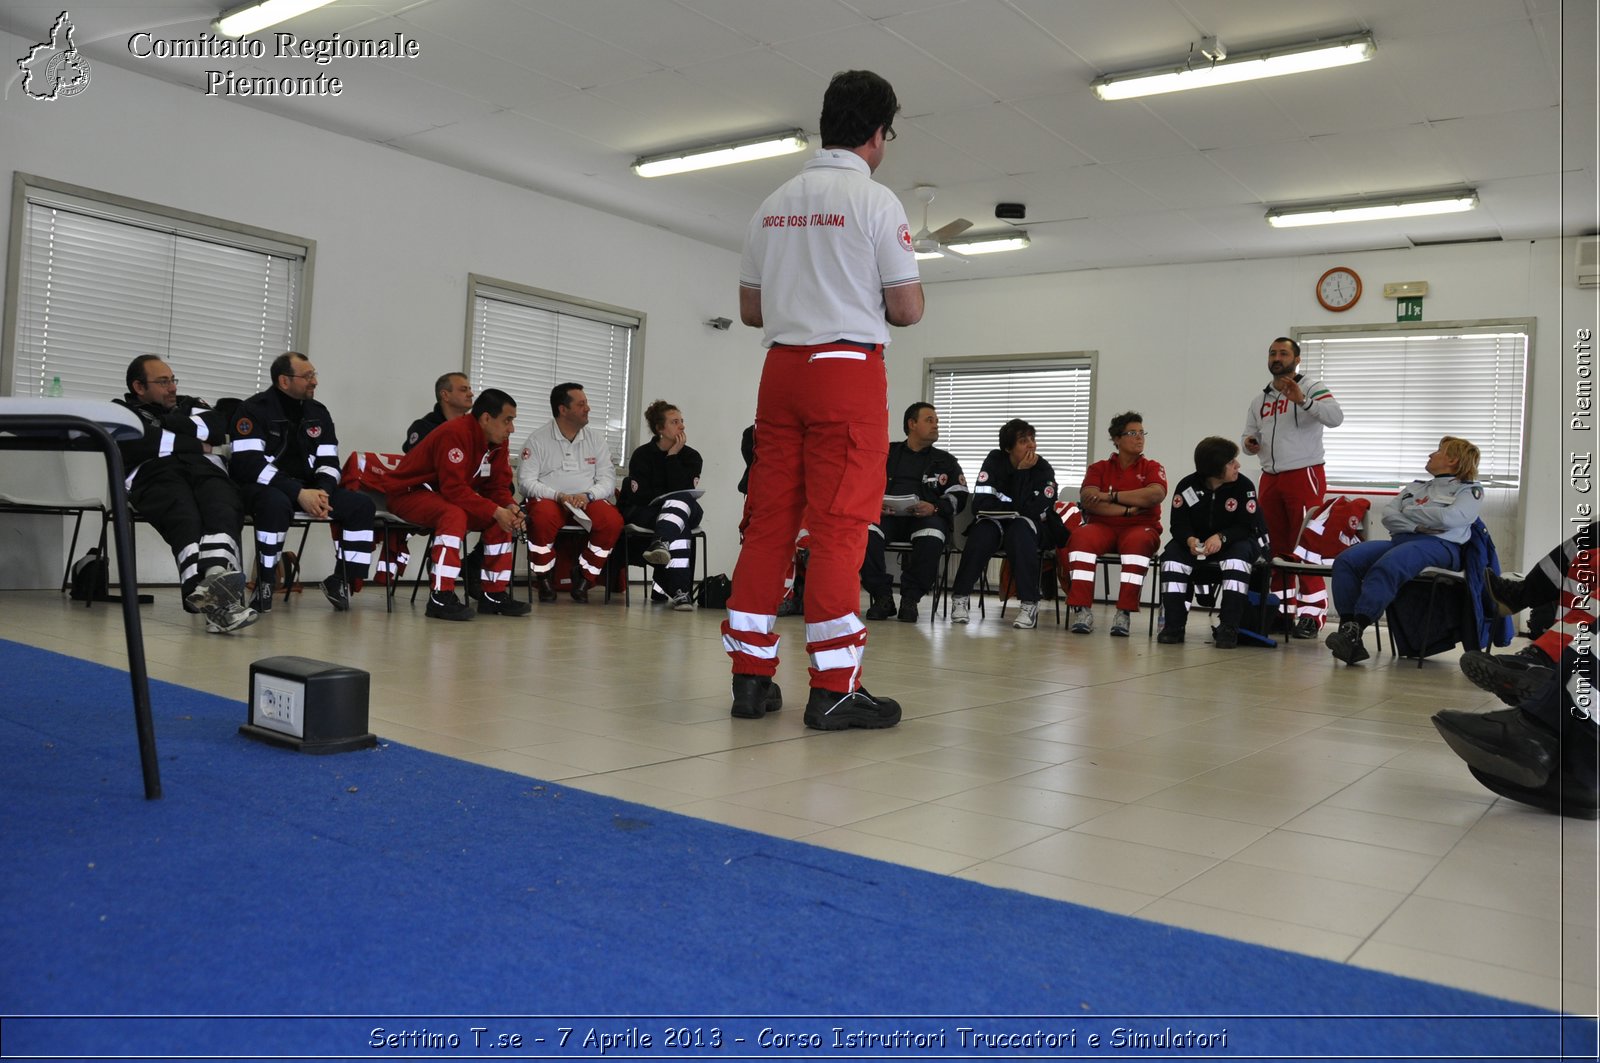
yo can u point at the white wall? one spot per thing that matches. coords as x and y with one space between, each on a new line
1186 345
397 236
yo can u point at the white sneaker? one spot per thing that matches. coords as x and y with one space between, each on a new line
1121 624
226 619
682 602
1027 615
1082 620
960 609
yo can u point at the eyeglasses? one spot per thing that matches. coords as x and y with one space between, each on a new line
161 381
1136 435
304 376
889 133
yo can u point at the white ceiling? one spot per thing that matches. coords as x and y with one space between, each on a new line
561 95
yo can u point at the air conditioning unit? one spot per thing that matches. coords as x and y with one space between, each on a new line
1588 262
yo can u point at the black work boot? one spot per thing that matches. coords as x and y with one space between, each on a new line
1345 644
830 710
754 696
882 607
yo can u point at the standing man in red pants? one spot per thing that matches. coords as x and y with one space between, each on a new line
1283 426
827 268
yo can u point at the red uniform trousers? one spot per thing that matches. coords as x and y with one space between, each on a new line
450 524
1286 497
1137 545
546 517
1576 610
822 438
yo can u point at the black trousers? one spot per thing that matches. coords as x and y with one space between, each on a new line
672 521
1021 541
1182 572
920 571
197 510
353 516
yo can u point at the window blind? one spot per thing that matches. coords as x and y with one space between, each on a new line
1401 391
975 398
96 287
526 344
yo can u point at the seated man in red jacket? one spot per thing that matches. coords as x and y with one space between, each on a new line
456 479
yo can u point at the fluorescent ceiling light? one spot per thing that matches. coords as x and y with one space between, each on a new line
1374 209
726 154
1291 59
243 21
989 243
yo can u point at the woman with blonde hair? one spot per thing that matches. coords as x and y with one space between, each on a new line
1428 523
663 483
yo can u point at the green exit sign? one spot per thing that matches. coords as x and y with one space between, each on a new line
1408 309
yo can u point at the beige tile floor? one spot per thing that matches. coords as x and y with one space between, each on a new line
1267 796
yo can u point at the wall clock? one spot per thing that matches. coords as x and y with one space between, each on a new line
1338 289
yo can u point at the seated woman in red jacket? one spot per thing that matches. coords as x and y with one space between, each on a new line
660 494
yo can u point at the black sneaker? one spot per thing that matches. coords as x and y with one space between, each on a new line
1170 636
1508 596
1345 644
1305 628
1511 677
882 607
444 605
261 597
1503 743
505 604
337 591
829 710
1225 637
657 553
908 610
754 696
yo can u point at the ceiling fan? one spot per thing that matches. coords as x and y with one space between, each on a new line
933 243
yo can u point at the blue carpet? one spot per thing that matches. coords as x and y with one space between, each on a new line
394 882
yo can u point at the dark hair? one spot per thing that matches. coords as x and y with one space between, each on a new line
655 415
283 365
1212 454
1014 430
913 413
491 401
1121 421
136 368
856 105
442 385
560 396
1293 346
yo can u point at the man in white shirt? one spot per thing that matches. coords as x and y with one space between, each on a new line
567 477
827 268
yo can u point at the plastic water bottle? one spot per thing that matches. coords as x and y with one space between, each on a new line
55 390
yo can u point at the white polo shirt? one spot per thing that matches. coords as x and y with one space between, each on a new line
552 466
821 250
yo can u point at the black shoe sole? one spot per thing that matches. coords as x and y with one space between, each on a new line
1493 760
1511 686
465 614
1548 797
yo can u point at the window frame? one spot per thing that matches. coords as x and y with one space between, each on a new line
26 188
1088 360
576 306
1527 325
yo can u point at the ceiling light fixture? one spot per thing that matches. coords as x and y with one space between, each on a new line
767 146
1375 209
990 243
1289 59
248 18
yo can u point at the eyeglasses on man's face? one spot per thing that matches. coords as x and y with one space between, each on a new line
1137 435
889 133
161 381
304 376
